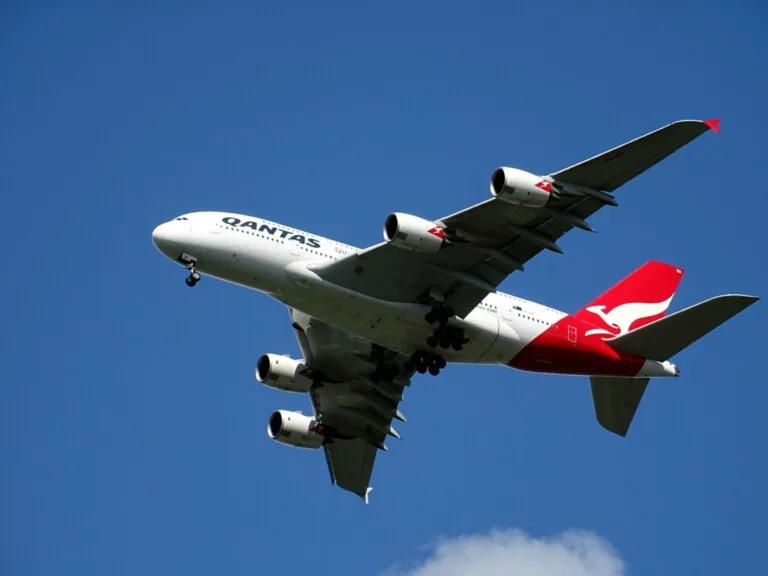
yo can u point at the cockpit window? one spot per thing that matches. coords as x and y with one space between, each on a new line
181 218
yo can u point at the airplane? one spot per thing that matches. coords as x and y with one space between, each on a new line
367 320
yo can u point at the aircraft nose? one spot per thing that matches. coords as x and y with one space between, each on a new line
162 238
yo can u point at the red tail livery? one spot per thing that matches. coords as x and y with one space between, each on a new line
639 299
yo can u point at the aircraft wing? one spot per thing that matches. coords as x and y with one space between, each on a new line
356 408
493 239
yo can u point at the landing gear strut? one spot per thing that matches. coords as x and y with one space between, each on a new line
425 361
194 275
386 372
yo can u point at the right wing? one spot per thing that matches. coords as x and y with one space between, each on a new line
611 169
349 400
499 238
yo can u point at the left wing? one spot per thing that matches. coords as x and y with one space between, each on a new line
353 401
490 240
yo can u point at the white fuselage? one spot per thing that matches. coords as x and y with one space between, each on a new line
273 259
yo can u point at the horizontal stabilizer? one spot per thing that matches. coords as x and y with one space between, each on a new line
662 339
616 401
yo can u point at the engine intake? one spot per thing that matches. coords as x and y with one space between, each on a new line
282 373
294 429
413 233
519 187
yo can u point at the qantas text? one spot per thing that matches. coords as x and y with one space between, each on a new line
271 230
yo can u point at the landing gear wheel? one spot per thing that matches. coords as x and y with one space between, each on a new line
445 342
426 361
432 341
194 275
439 314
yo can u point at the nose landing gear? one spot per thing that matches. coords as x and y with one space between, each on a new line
194 276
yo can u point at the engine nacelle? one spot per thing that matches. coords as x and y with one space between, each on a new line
519 187
283 373
294 429
413 233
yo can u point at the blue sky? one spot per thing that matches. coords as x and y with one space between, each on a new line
132 431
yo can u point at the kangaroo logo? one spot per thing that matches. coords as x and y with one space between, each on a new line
624 315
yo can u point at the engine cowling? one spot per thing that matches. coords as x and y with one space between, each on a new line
413 233
282 373
519 187
294 429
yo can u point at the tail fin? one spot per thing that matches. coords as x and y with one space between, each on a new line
637 300
617 399
662 339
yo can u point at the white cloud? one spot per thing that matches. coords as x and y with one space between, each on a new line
513 552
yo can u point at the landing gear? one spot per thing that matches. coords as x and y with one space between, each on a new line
444 335
448 337
440 314
425 361
386 372
194 276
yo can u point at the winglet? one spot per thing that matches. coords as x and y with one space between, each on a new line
713 124
367 491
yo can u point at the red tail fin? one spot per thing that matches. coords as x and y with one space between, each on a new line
639 299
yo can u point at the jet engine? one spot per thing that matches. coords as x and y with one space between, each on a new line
294 429
519 187
283 373
413 233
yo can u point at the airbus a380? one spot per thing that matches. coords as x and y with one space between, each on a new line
367 319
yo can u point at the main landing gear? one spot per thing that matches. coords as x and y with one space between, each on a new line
385 372
444 335
425 361
194 275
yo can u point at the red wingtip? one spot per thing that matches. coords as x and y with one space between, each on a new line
714 124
